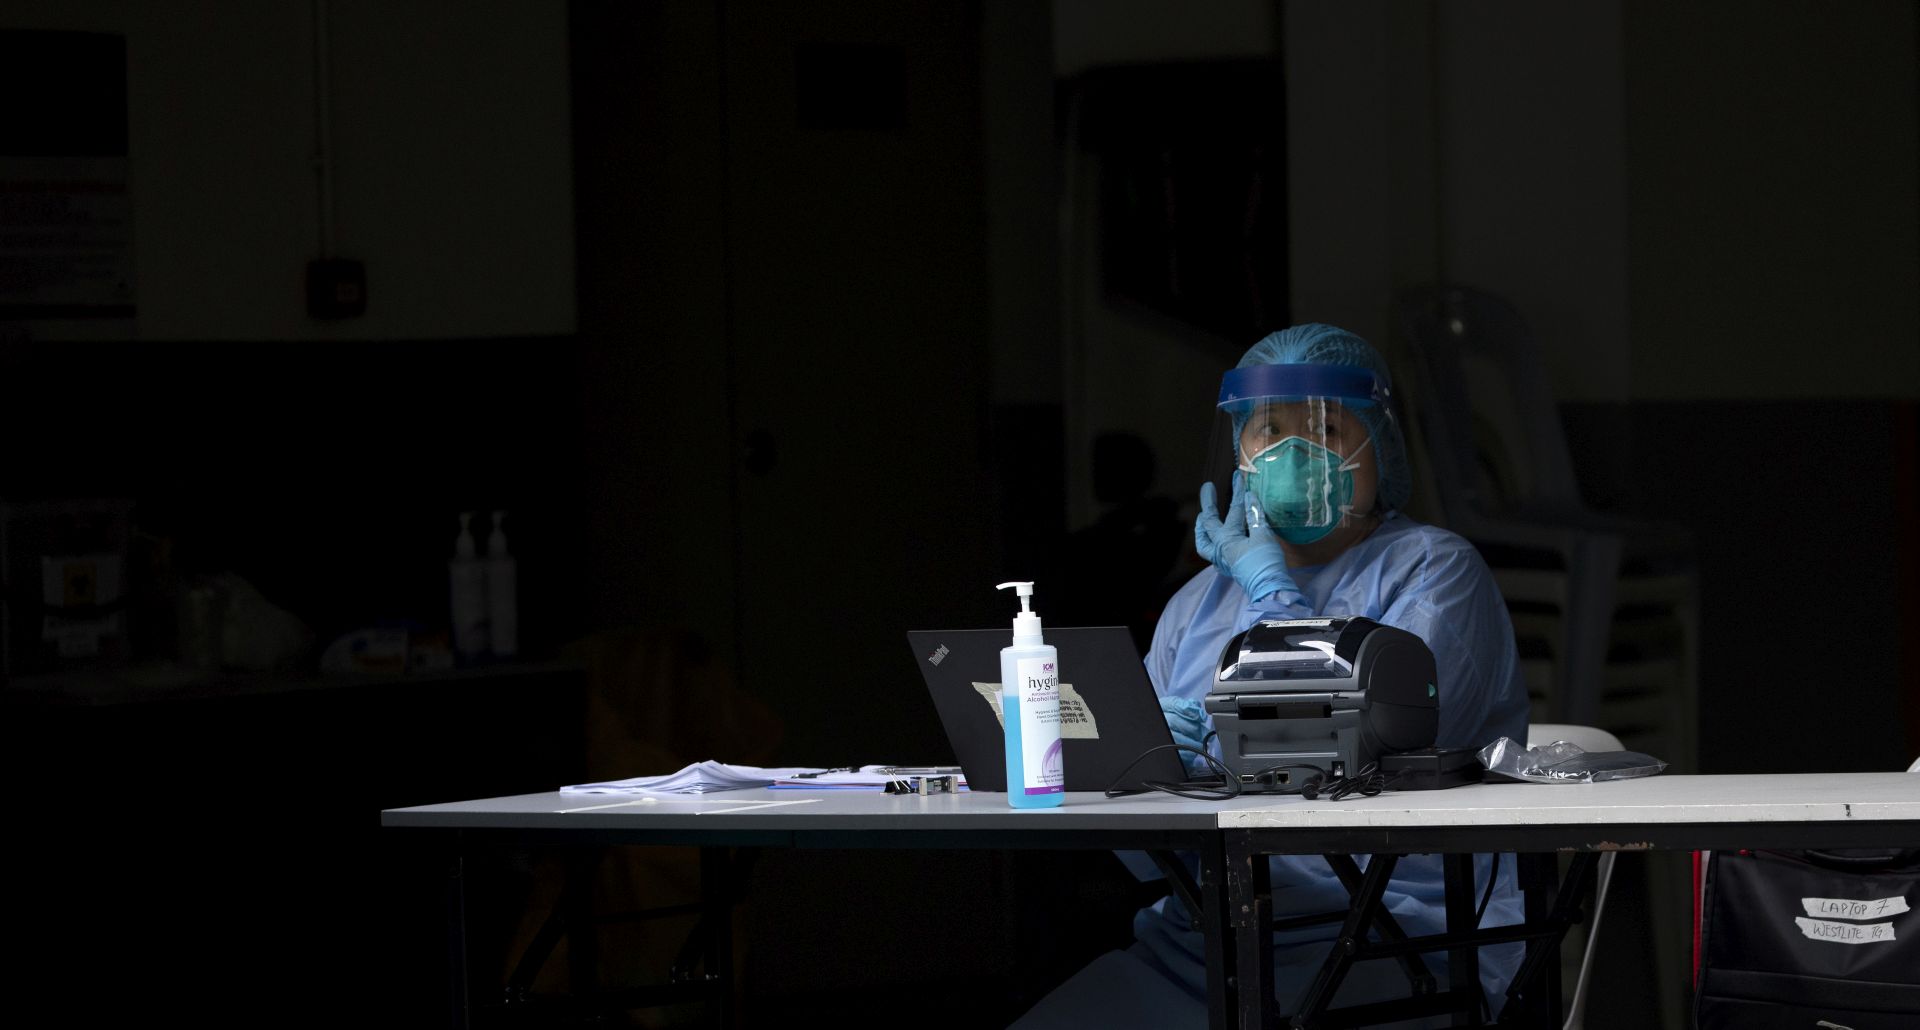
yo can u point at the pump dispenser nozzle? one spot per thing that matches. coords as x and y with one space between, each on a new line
1026 625
463 546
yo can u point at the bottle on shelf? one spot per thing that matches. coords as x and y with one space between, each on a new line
467 590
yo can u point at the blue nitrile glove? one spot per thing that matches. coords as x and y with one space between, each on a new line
1187 719
1250 554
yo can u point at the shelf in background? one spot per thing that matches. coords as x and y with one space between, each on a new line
170 682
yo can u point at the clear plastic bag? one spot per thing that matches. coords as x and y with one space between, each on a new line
1565 762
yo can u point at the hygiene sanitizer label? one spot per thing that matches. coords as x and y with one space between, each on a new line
1040 725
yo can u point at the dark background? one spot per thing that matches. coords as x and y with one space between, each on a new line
784 328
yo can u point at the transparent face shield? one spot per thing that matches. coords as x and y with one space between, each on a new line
1297 438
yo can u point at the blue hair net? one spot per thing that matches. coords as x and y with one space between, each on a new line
1316 344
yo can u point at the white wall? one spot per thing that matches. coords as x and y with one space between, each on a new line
451 155
1095 33
1476 142
1126 367
1360 179
1022 164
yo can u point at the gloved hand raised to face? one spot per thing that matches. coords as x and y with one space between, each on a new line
1250 554
1187 719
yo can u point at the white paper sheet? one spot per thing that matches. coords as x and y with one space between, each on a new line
699 778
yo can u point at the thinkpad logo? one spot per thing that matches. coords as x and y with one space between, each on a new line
937 655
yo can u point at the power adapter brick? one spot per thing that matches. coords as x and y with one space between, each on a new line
1432 768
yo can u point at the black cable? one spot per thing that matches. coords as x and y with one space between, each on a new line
1227 785
1368 782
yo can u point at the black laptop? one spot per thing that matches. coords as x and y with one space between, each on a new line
1109 714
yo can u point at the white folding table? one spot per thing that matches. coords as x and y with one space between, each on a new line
829 819
1232 894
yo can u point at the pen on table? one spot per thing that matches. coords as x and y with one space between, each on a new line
823 772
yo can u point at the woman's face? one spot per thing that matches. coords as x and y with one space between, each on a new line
1319 421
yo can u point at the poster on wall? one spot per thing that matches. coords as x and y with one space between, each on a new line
66 215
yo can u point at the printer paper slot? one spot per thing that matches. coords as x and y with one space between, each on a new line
1286 710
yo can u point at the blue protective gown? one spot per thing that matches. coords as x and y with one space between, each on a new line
1415 577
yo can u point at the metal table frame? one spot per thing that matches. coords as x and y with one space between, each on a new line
1686 813
954 822
1232 897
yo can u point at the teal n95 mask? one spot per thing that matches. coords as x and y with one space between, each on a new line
1300 488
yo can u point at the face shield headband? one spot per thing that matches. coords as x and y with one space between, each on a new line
1244 388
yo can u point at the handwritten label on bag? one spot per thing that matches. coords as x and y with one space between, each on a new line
1854 908
1844 933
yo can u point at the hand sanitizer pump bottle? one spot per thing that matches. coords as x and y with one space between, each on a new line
1030 711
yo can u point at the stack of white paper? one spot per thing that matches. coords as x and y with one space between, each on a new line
698 778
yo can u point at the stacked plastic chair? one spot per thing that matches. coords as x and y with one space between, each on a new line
1604 608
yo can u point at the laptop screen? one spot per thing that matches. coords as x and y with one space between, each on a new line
1109 713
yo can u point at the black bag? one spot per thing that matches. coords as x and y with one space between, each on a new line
1810 939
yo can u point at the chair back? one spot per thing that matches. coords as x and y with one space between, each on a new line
1589 738
1493 429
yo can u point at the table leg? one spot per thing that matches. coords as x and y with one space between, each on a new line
1546 948
717 911
1539 885
1250 906
1353 937
1463 963
1419 977
576 908
454 893
1214 910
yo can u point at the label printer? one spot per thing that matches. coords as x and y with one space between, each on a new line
1336 693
